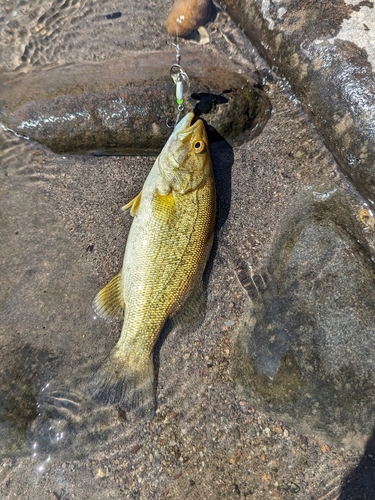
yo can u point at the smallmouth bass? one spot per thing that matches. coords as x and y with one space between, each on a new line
166 252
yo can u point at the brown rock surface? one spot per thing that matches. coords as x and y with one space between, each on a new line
187 16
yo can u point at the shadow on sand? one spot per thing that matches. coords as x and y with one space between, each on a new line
359 484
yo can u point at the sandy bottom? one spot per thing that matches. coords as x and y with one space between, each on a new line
63 237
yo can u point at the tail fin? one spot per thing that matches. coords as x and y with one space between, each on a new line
127 384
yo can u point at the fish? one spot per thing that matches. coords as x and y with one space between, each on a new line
166 252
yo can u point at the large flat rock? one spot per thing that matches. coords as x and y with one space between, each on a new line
125 104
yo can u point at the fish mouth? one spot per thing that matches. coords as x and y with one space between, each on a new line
188 123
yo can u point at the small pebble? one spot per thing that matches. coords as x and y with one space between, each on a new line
135 448
100 473
277 430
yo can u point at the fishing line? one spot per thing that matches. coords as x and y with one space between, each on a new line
181 81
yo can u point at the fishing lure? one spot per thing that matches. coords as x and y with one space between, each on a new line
181 81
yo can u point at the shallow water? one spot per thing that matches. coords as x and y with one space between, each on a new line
47 288
54 248
62 237
63 31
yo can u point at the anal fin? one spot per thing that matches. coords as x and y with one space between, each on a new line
109 303
133 205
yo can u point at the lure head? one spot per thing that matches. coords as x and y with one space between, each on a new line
185 159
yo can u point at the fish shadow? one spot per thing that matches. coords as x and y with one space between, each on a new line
222 158
359 484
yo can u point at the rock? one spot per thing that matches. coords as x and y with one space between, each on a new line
122 105
326 52
306 351
187 16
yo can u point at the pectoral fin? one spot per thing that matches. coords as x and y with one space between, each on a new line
133 205
109 303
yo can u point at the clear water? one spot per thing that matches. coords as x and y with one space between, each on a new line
62 237
46 289
49 276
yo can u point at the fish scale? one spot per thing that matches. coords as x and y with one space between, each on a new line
166 252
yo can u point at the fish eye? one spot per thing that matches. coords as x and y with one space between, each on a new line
199 146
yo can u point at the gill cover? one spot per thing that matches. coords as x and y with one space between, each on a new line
185 159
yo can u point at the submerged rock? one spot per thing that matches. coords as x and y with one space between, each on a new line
122 105
306 351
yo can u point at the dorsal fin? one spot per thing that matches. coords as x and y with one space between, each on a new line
109 303
133 205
